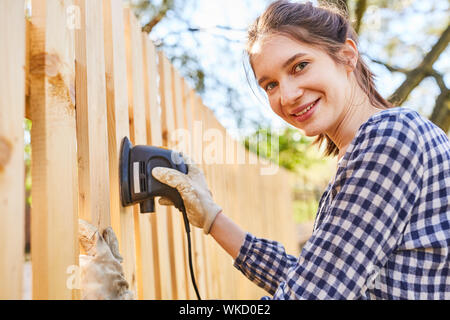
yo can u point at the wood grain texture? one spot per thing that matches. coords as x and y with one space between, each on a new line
12 113
122 220
179 232
197 234
173 216
92 133
159 219
137 110
54 222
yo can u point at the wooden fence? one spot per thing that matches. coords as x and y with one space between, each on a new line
86 76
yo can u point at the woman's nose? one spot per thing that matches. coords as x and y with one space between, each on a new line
289 93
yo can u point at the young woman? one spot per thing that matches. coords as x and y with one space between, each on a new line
382 230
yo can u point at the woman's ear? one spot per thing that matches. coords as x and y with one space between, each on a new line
350 54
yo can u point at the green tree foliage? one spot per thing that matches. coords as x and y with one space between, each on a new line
288 149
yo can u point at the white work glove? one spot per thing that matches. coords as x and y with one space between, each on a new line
102 276
200 207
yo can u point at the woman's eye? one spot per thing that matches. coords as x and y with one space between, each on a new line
300 66
270 86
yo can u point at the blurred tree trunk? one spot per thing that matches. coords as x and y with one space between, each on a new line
360 9
361 6
441 110
159 14
424 69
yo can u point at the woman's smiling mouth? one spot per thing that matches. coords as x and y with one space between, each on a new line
305 112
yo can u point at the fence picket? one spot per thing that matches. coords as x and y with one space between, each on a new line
197 234
12 173
92 132
54 224
159 219
122 220
143 231
167 127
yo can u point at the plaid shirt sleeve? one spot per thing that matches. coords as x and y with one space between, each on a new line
357 229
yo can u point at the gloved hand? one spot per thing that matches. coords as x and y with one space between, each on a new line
200 207
102 275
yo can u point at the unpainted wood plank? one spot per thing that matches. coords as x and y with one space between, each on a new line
159 219
92 132
220 196
151 91
54 223
167 127
197 234
122 219
210 247
143 230
165 87
12 173
179 233
183 145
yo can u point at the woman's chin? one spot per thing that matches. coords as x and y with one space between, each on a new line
309 128
309 132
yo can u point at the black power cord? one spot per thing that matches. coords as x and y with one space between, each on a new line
188 235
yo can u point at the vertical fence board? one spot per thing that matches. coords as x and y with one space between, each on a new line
167 126
211 148
150 84
197 234
178 231
197 155
53 139
222 171
122 220
144 248
208 147
182 144
91 115
218 166
210 259
159 219
12 113
215 277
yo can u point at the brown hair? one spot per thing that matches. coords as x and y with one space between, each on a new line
323 27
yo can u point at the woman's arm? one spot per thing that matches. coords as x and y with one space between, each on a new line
227 234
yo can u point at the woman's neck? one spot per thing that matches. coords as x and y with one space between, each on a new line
351 119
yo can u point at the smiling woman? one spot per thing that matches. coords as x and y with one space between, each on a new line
383 225
306 58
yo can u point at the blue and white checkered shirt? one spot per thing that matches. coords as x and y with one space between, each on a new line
382 230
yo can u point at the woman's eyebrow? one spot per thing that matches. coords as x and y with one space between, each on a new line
294 57
285 64
261 80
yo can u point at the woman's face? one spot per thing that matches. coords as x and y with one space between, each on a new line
304 85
